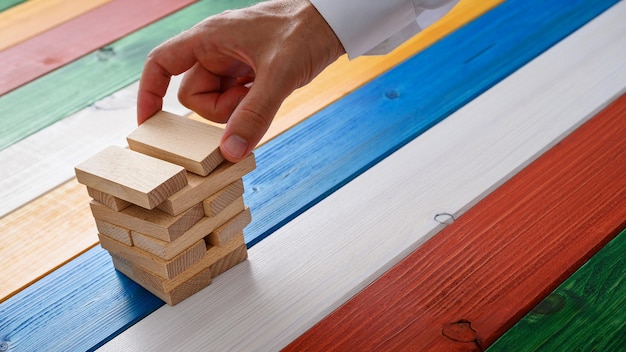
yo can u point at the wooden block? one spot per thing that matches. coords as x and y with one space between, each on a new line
220 200
117 233
199 188
233 258
231 228
189 143
203 228
131 176
166 269
110 201
154 223
178 294
216 259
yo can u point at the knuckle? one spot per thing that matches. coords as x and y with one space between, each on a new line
257 118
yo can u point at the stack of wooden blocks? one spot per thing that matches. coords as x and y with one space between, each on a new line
170 210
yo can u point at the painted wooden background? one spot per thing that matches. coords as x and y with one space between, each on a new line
468 186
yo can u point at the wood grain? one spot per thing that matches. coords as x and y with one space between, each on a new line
499 133
131 176
200 230
154 223
109 283
200 188
184 286
182 141
499 259
400 105
166 269
117 111
221 199
68 152
26 20
212 257
115 232
108 200
79 36
585 313
233 227
177 294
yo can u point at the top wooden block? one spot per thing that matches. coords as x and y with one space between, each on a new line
131 176
191 144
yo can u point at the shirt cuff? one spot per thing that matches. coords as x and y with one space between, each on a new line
378 26
362 25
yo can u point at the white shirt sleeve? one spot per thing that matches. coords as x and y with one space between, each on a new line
378 26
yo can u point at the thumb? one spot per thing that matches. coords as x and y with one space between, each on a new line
251 119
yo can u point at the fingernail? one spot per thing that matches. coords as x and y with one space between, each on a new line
235 145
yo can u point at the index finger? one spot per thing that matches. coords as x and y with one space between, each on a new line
173 57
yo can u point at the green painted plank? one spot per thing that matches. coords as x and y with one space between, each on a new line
586 313
5 4
73 87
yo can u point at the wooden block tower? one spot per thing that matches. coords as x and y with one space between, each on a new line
170 210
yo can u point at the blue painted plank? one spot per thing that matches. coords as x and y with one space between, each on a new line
42 320
310 161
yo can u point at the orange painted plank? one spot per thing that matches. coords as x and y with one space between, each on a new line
71 40
32 17
465 287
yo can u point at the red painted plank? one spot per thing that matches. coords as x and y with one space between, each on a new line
62 44
467 285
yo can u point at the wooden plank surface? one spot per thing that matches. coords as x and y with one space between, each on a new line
527 136
74 38
339 250
585 313
35 259
32 17
7 4
403 103
499 259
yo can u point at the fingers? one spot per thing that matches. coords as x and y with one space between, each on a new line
173 57
212 96
252 118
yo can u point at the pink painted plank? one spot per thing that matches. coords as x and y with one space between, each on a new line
60 45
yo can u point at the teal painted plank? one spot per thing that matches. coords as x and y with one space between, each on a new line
5 4
73 87
585 313
310 161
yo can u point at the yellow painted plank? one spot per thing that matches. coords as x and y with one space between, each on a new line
62 222
32 17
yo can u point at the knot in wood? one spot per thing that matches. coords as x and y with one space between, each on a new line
460 331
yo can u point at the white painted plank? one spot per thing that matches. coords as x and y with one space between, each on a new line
44 160
309 267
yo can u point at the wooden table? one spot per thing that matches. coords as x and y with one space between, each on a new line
430 203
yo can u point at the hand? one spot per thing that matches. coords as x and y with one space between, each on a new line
240 66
